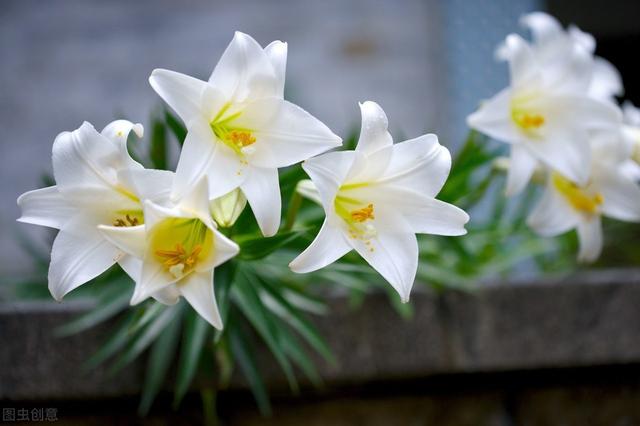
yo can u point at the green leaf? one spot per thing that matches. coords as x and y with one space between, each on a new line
243 354
114 302
178 130
158 146
163 351
117 341
143 339
251 306
260 247
291 316
195 334
224 277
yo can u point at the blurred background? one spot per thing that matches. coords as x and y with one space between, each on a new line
427 62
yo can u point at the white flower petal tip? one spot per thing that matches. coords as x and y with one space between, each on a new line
308 190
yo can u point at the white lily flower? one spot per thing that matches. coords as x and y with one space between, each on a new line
553 44
545 114
377 198
97 182
240 129
177 250
566 205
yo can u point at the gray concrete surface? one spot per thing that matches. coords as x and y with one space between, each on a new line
586 320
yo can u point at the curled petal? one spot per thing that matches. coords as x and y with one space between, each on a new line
328 172
373 132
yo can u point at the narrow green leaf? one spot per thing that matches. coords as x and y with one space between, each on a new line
224 277
117 341
143 339
291 316
195 334
178 130
243 354
158 145
115 302
249 303
260 247
163 352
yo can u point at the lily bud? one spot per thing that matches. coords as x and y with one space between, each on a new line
308 190
226 209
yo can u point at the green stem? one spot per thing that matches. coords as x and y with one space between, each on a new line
208 396
294 206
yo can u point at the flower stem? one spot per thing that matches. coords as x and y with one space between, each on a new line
292 212
208 397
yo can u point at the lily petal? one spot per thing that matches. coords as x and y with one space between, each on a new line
522 164
129 239
566 152
180 91
149 184
285 133
245 70
493 118
552 215
421 164
79 254
203 155
327 172
262 190
621 196
373 131
607 81
197 288
45 207
329 245
277 53
83 159
118 132
393 254
590 237
522 64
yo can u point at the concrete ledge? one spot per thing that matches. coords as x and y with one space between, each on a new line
591 319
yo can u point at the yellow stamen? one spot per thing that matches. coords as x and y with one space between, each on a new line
363 214
580 198
240 138
129 218
527 121
179 244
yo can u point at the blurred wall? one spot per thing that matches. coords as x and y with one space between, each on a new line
427 62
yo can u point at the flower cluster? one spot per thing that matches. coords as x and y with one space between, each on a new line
162 227
561 120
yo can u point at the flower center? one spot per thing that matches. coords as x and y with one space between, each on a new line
525 115
237 138
180 244
582 199
358 216
527 121
128 218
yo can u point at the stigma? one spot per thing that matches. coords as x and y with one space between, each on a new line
179 262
